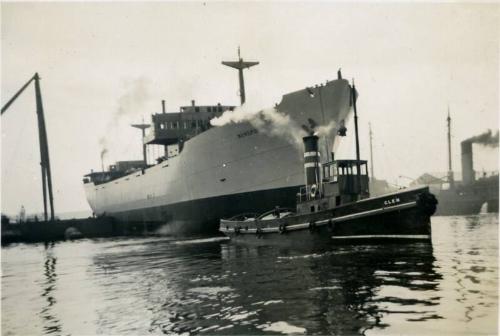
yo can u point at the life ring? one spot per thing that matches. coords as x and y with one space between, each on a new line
314 190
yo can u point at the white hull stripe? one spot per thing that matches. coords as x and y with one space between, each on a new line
325 221
384 236
312 165
307 154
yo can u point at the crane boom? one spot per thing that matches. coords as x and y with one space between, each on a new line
44 145
6 106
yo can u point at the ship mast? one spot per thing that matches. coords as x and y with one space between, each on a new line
371 151
44 145
143 127
450 170
358 167
240 65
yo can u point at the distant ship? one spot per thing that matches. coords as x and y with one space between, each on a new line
210 172
468 196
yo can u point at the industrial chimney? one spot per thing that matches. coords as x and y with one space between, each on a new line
468 174
312 165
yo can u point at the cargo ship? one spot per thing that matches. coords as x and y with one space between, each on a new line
469 195
210 172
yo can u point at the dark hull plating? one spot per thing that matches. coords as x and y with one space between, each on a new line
202 216
400 216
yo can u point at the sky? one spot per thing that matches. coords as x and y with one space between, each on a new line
106 65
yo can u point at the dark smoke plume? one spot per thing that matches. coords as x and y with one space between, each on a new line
487 138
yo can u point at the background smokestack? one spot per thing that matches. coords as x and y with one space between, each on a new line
468 174
487 138
312 165
163 106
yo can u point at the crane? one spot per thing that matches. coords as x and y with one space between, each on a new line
44 145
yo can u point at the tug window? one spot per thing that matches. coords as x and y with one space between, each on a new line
333 173
326 174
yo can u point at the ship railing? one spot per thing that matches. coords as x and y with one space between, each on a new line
244 216
276 213
308 193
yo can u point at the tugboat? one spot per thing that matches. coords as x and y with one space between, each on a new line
335 205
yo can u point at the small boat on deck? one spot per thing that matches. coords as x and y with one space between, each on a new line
335 205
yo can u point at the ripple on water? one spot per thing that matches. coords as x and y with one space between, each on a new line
211 290
208 286
282 327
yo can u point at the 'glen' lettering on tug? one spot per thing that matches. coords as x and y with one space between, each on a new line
392 201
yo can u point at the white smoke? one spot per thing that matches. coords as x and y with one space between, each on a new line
132 101
268 121
326 130
135 94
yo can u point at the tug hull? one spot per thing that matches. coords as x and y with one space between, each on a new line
394 217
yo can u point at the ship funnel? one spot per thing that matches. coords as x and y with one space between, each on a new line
312 165
468 174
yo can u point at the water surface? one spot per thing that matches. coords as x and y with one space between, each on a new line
211 286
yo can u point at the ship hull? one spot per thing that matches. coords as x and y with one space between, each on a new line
469 199
202 216
235 164
402 216
456 206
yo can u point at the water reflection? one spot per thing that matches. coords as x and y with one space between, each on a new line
51 323
211 286
345 290
470 262
226 288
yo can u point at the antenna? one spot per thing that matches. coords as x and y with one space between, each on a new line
371 151
354 98
450 169
240 65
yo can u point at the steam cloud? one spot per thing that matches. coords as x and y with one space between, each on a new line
487 138
272 122
269 121
136 93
